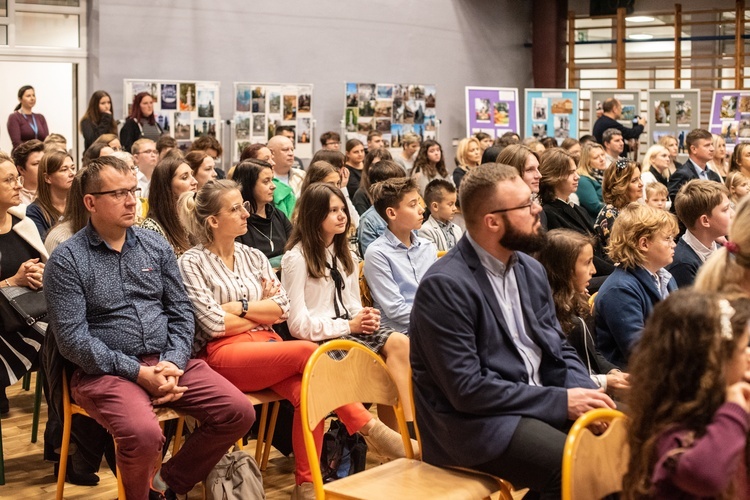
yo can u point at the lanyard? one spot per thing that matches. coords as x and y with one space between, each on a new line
32 124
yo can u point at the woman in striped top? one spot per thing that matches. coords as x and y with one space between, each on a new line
237 297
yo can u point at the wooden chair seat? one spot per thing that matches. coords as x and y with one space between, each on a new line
70 408
409 478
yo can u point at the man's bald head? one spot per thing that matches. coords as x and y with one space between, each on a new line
282 149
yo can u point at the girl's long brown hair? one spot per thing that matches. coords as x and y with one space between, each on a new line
313 207
677 376
559 257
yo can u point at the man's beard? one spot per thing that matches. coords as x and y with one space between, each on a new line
515 240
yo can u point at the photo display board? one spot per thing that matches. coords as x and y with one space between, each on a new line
730 116
629 99
492 110
551 113
394 109
185 110
261 107
673 112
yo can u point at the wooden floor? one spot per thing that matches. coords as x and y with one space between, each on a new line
27 476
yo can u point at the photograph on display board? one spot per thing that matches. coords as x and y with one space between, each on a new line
351 119
259 124
352 95
729 131
204 126
290 107
304 132
259 100
539 105
304 103
240 146
364 125
243 99
429 119
743 131
187 97
429 97
182 123
169 96
398 110
206 102
383 108
274 102
273 122
164 122
482 110
562 126
366 92
419 113
661 112
242 126
628 113
410 108
400 91
745 105
683 112
366 107
396 135
385 91
383 125
562 106
729 106
416 92
502 113
539 130
419 130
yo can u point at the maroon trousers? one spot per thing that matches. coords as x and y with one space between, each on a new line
125 410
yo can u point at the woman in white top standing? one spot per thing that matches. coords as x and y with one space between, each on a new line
237 297
322 280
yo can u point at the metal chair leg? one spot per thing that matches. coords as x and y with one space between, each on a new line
27 381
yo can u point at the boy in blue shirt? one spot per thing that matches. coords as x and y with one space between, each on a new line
396 261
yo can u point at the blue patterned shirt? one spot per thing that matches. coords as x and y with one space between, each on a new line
108 308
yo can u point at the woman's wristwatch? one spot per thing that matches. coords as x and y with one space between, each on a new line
244 308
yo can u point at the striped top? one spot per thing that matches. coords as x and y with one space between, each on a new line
210 283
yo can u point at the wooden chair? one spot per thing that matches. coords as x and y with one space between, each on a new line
363 377
70 409
266 427
441 253
364 289
593 466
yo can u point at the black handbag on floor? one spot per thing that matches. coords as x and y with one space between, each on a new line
21 308
342 454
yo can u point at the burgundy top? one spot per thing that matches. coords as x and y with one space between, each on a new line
20 127
703 467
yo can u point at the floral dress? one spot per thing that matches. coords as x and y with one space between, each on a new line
604 222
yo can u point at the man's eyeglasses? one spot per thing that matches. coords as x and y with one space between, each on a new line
147 152
532 201
119 195
12 180
333 143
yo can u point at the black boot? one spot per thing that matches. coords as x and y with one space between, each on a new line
81 479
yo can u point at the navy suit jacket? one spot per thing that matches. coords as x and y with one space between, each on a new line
684 174
621 307
470 382
685 265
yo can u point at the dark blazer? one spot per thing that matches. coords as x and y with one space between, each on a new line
685 264
562 215
470 382
684 174
621 307
605 122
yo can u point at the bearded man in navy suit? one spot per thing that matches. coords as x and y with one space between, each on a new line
496 384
